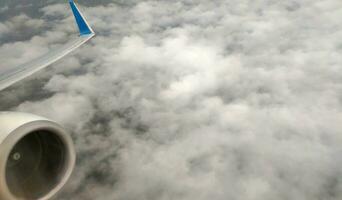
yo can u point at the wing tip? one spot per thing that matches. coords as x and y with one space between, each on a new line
83 26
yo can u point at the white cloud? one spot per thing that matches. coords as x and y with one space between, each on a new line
77 109
201 100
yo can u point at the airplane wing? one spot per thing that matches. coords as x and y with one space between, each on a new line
9 76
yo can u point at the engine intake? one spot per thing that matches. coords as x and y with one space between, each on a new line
36 157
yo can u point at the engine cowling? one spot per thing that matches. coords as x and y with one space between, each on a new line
36 157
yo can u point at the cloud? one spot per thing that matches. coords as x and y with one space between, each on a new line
197 99
4 9
21 27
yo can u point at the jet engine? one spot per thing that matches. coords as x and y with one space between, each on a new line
36 157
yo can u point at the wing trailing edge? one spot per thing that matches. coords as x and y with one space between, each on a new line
11 75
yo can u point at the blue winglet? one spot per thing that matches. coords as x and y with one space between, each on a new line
83 26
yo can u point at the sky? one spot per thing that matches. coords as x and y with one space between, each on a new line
188 99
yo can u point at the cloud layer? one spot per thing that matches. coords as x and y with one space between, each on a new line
193 99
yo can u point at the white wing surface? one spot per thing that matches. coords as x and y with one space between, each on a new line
9 76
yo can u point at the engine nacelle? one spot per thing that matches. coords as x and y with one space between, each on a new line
36 157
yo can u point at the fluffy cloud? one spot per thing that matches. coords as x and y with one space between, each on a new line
196 99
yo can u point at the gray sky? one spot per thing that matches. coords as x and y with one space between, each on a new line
189 99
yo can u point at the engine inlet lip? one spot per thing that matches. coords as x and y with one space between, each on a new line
12 139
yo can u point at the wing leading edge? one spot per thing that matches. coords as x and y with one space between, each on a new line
9 76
